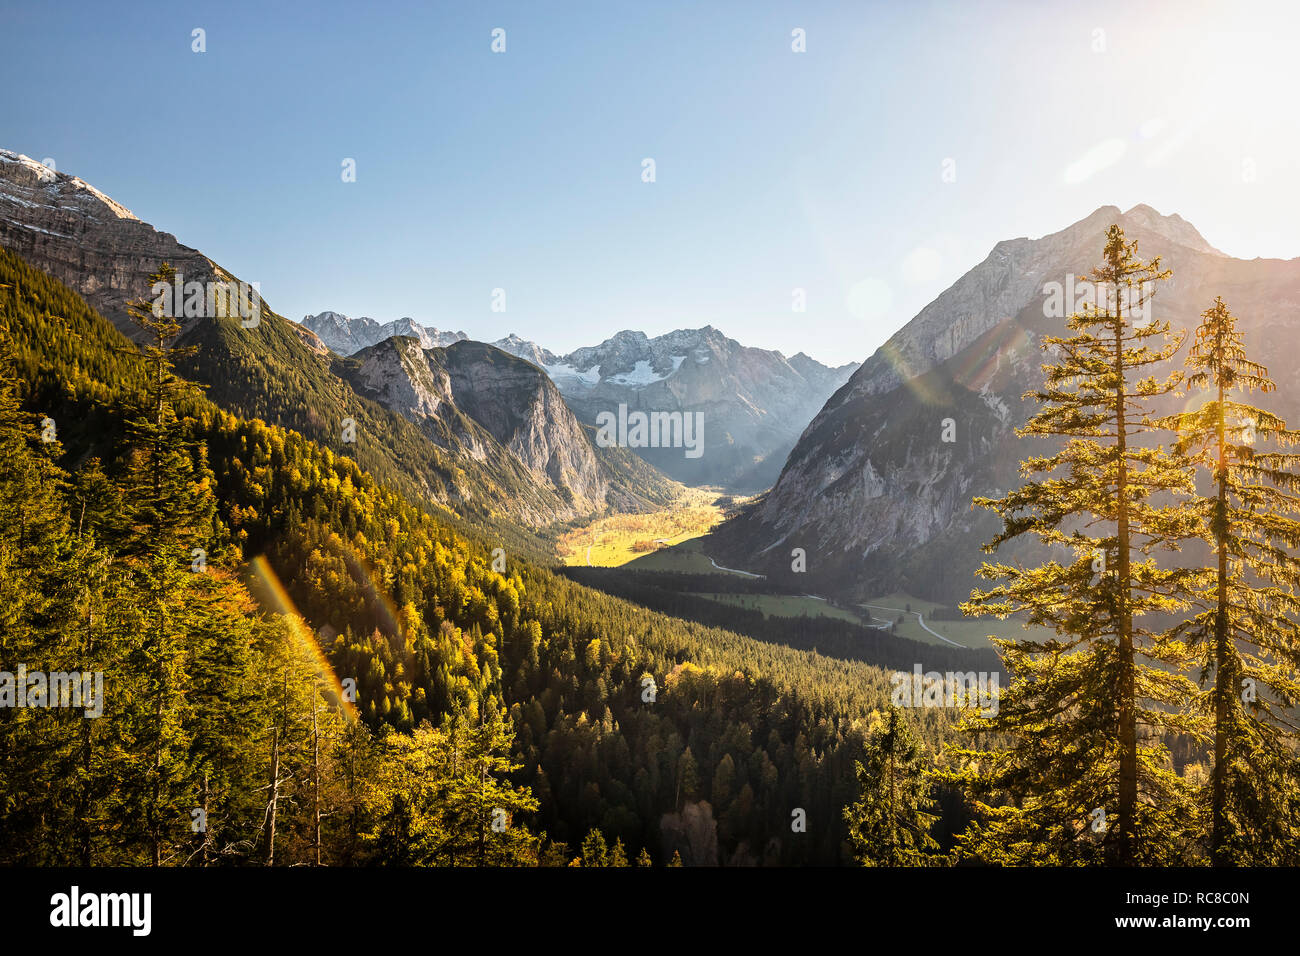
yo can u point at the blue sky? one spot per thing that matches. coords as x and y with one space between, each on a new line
775 170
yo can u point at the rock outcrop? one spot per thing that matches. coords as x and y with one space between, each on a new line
488 405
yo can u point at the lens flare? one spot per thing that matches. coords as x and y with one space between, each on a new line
266 586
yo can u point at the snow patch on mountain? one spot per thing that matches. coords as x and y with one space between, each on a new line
59 188
642 374
566 375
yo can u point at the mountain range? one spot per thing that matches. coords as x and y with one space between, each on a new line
345 335
873 492
753 403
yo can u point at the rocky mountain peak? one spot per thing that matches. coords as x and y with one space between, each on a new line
1015 273
871 477
397 374
526 350
492 405
94 245
1172 227
346 336
629 337
24 173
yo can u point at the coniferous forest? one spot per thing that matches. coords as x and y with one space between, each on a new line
470 690
301 666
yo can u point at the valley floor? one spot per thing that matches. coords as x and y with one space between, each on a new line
673 540
911 617
614 540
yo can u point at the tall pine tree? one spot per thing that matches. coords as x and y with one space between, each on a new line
168 509
890 823
1245 629
1085 774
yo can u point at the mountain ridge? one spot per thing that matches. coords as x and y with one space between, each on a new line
347 336
880 502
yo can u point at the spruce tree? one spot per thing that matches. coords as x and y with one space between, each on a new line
594 850
1245 630
485 804
890 823
168 509
618 855
1084 775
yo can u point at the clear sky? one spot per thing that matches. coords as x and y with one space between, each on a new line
775 170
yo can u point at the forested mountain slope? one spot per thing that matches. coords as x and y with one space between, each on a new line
263 366
737 735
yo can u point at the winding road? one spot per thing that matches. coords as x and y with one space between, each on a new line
919 620
733 570
879 627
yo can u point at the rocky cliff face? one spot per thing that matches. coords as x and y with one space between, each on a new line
346 336
523 410
66 227
752 403
488 405
874 493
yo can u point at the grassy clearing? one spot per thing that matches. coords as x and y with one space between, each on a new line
686 557
618 539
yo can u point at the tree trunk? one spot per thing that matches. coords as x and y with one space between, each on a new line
482 823
315 799
155 834
1127 702
205 847
1224 672
83 800
275 795
893 812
